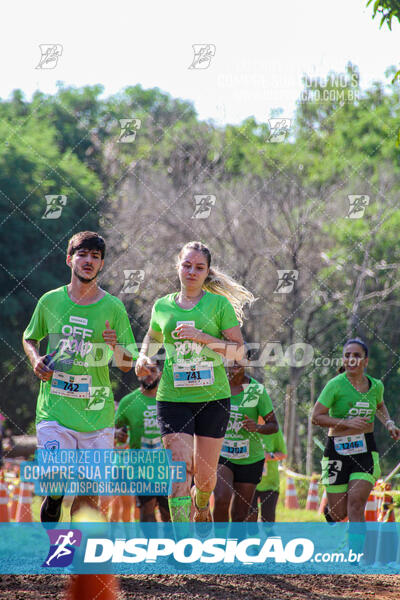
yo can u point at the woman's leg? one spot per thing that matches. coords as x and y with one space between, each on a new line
242 501
207 451
205 461
181 446
337 505
223 494
357 496
268 502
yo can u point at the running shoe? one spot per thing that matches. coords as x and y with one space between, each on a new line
201 515
50 511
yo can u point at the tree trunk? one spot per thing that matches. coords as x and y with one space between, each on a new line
309 456
290 424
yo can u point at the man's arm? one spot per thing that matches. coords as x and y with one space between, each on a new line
31 348
123 358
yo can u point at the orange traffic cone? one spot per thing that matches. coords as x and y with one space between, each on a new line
312 497
371 508
24 511
14 501
4 514
324 502
92 587
291 495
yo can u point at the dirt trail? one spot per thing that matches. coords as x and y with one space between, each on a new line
220 587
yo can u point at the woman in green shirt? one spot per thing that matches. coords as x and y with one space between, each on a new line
242 455
199 325
347 406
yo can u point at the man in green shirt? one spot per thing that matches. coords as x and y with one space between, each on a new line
84 326
242 454
138 412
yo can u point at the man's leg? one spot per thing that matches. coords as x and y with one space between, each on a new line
103 439
51 436
164 509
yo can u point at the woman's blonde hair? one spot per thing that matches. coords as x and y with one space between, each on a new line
220 283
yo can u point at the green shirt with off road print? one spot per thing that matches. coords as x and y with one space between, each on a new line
240 446
139 413
79 394
345 402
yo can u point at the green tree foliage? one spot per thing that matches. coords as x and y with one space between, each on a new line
33 166
278 206
387 9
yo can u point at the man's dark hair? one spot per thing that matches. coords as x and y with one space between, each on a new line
90 240
158 361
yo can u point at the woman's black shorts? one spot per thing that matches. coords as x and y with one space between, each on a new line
338 469
251 473
208 419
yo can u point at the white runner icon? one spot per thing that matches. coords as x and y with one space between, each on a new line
62 549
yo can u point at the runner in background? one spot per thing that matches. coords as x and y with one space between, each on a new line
138 412
242 455
198 325
85 327
267 491
347 407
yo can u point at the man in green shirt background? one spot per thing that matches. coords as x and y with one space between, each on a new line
84 326
138 412
242 454
267 490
